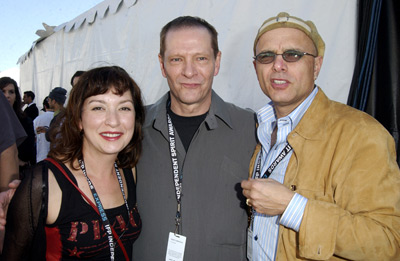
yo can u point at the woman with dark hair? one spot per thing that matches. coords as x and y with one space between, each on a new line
26 150
80 203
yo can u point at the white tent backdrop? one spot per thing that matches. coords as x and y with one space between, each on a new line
126 33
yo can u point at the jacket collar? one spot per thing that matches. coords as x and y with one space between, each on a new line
314 122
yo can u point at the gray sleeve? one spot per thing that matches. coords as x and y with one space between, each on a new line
11 130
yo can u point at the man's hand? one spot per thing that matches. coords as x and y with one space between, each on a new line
41 129
267 196
5 198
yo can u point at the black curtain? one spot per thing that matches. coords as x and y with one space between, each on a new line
375 86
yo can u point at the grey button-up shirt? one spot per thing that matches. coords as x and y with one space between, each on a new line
214 219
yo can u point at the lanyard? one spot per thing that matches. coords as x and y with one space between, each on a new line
99 205
273 165
175 172
269 171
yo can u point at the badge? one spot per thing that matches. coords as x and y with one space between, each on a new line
176 247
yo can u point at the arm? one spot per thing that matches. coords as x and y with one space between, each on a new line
8 166
134 174
353 207
5 198
26 218
11 135
362 221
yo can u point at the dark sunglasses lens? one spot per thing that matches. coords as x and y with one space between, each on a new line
292 56
265 57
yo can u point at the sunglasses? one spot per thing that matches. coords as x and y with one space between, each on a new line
290 56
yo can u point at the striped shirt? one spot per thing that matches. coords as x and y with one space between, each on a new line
265 228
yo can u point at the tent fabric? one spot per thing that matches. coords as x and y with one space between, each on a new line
89 17
375 88
384 96
126 33
369 14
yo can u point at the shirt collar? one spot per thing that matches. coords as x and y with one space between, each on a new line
218 109
267 113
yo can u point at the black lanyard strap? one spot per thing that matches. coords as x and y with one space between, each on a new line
273 165
269 171
104 218
175 171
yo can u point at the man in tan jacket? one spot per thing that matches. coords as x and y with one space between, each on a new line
324 182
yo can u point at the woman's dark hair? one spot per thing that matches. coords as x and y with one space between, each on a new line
17 106
68 145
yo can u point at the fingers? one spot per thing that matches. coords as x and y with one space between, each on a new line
5 198
3 209
14 184
246 184
266 196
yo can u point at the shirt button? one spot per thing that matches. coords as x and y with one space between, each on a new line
256 238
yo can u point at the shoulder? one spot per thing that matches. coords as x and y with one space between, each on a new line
337 123
330 114
231 113
44 117
353 118
238 112
160 104
156 110
132 173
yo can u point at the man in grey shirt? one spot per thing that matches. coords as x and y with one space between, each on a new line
196 150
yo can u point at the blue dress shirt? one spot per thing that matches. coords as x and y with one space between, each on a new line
266 228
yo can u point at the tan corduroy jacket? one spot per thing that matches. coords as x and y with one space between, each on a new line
344 162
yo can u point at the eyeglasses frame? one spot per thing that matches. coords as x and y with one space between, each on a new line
301 54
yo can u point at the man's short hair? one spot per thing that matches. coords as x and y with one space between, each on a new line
189 22
30 94
76 74
46 104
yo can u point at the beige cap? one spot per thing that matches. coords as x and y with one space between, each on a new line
284 20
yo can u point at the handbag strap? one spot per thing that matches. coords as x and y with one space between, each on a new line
55 163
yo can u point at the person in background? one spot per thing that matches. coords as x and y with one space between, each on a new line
196 150
48 217
56 101
26 150
41 124
45 105
325 182
75 77
58 108
31 109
